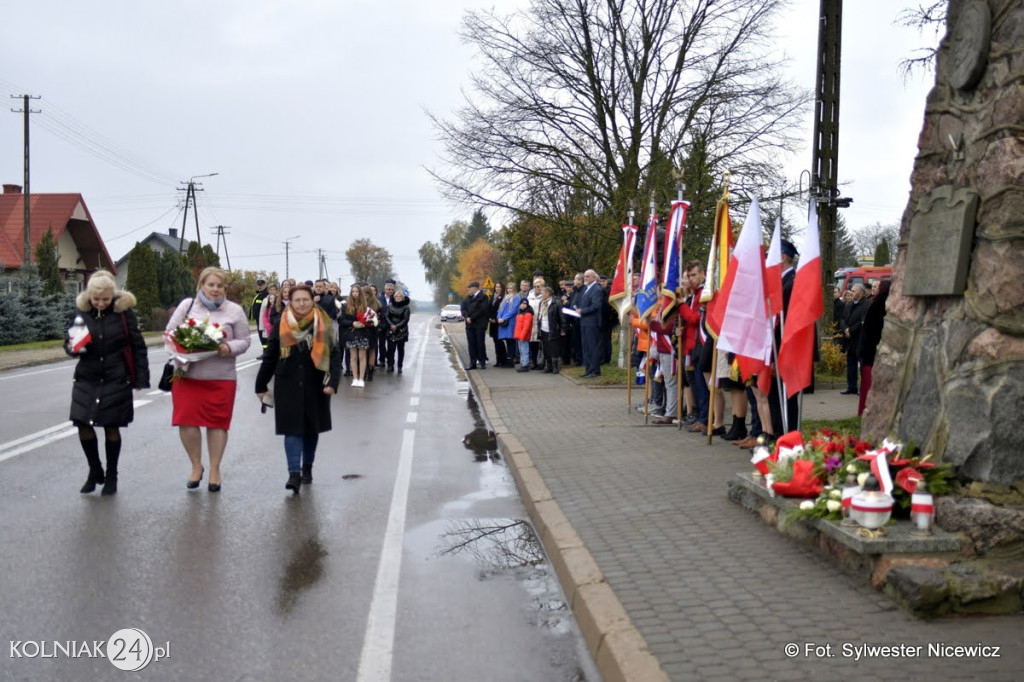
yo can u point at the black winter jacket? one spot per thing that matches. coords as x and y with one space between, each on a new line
398 314
102 392
300 406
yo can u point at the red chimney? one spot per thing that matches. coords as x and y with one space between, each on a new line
12 189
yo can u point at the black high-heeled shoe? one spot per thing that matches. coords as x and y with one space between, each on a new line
192 485
213 487
294 482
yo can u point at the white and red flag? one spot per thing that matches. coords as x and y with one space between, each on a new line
621 294
773 270
773 291
796 355
744 326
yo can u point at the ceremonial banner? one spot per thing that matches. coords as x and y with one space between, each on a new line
621 294
718 261
647 296
670 262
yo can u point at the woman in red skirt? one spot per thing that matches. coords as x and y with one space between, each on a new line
205 395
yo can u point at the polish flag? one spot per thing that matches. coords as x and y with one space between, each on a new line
796 355
773 291
773 270
741 313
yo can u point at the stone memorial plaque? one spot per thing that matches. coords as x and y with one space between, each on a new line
939 247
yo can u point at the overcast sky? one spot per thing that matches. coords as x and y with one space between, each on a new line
312 114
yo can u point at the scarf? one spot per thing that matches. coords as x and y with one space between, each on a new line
314 330
208 303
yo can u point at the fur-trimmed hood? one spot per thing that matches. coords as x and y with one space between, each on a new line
400 304
123 300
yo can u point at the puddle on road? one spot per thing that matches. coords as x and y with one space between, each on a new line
509 547
304 570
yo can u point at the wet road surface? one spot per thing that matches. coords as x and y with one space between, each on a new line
408 558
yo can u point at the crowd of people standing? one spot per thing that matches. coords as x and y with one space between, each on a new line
535 327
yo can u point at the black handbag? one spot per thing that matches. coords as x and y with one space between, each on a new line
166 377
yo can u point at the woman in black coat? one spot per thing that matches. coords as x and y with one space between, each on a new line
304 360
870 336
111 362
396 321
550 328
500 356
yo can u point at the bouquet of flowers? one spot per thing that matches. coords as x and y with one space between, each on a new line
194 340
368 317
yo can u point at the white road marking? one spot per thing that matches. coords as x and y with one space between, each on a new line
410 418
46 440
414 401
417 384
379 641
38 371
33 436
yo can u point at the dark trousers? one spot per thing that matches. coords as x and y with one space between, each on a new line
701 393
605 342
591 349
511 350
534 350
500 356
851 366
389 353
552 347
566 344
756 428
475 337
792 410
577 342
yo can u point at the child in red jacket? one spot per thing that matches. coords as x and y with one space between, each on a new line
524 328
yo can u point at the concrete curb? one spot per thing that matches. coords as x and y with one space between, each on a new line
618 648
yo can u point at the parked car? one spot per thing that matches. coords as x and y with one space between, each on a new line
451 313
847 277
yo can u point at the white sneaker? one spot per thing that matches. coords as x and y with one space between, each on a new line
361 384
355 383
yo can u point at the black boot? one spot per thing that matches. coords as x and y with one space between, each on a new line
113 448
738 430
307 473
547 367
294 482
554 366
92 456
369 374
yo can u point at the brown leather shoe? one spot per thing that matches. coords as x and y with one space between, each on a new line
697 428
663 420
747 442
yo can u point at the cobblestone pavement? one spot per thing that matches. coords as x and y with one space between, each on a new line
717 594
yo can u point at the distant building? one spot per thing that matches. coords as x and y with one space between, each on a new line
80 249
158 242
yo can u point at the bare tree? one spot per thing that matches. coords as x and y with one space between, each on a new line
926 16
579 101
866 239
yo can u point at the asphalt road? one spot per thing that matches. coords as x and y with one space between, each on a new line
409 557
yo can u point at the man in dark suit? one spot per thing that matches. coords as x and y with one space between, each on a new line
591 309
476 309
853 321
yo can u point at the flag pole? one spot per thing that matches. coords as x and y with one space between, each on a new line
624 338
678 360
714 353
781 387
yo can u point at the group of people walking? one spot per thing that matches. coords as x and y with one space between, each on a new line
305 329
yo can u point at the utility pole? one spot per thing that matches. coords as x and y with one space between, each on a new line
221 231
825 152
287 250
190 190
27 192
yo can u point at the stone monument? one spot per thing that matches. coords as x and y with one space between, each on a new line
949 374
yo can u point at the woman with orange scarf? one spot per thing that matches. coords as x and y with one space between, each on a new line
304 359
